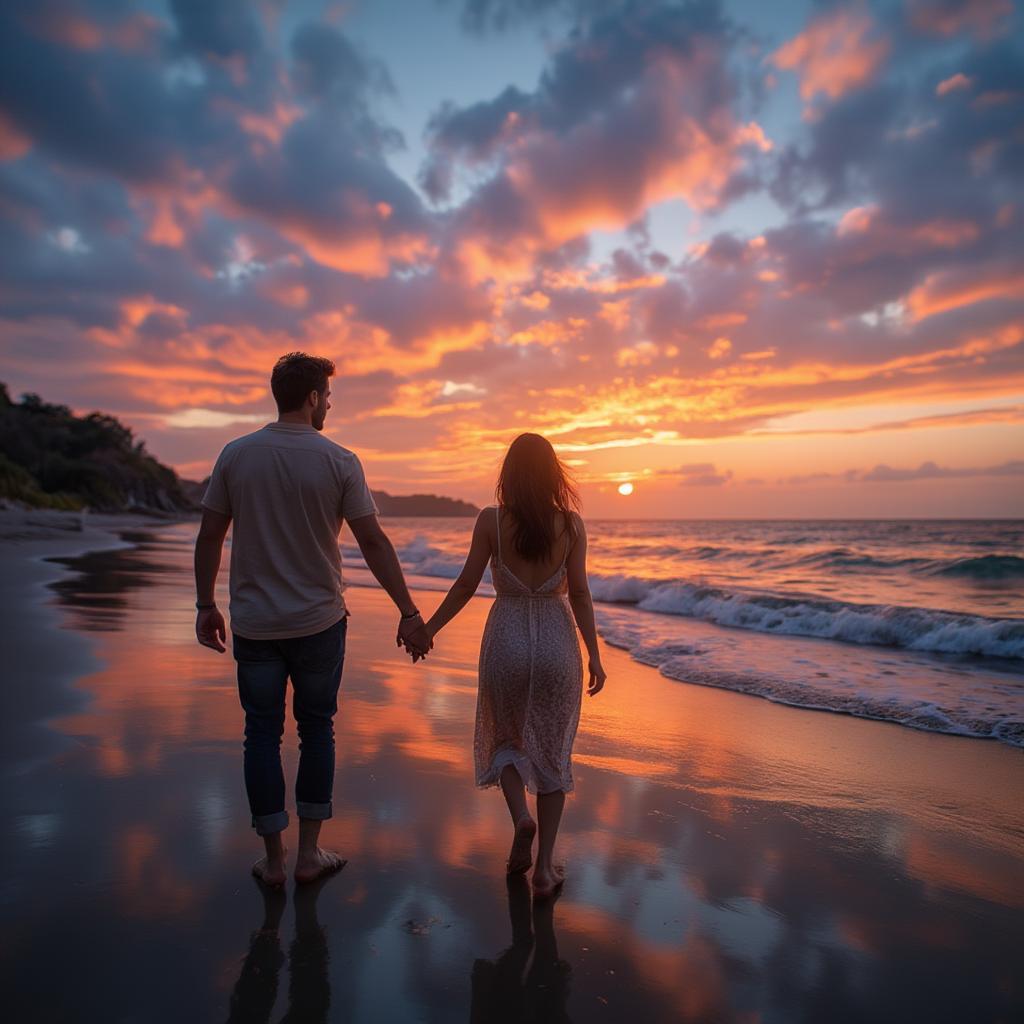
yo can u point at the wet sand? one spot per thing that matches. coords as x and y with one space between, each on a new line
729 859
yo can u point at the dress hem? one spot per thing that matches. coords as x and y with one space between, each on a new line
527 772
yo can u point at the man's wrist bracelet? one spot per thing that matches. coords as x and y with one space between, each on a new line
205 607
412 615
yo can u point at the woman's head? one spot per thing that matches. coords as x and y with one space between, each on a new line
532 485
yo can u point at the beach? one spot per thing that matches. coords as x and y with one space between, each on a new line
729 858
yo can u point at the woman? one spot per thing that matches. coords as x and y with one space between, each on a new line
530 684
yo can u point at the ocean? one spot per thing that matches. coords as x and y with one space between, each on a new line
915 622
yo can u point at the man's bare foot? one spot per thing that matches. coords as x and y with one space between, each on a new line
271 872
547 883
317 864
520 857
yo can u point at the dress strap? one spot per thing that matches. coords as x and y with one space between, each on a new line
497 522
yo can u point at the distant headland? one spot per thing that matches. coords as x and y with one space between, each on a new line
51 458
421 505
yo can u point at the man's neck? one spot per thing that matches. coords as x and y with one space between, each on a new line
295 417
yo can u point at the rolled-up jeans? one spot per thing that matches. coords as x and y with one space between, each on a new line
264 666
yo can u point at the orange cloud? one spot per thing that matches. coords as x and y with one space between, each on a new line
642 353
951 84
592 279
171 210
694 167
717 320
269 126
571 182
535 300
547 333
616 313
164 228
836 52
719 347
293 295
868 223
857 220
947 290
362 248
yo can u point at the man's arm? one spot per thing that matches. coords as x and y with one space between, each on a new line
210 627
382 561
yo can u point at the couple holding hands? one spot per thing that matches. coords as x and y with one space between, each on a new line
287 489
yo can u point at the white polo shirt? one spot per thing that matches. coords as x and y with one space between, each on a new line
287 489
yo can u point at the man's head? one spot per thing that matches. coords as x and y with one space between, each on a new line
300 385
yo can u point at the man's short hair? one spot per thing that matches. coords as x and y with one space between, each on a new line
295 376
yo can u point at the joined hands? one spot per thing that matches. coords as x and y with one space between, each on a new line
414 637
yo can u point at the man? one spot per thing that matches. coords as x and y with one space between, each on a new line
287 489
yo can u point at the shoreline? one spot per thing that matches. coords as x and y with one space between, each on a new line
921 626
38 538
41 673
691 630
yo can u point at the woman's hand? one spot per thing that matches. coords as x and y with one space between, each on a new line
597 677
413 636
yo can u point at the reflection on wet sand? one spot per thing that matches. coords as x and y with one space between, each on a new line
309 986
103 582
727 858
528 982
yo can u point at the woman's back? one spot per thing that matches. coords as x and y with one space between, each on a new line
533 575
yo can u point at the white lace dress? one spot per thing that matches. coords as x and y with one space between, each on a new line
530 683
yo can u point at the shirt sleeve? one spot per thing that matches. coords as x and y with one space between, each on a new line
216 496
356 499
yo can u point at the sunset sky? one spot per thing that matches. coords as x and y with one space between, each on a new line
758 259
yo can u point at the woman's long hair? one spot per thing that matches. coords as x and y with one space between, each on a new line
532 485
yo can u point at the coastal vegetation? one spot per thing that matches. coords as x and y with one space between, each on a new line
51 458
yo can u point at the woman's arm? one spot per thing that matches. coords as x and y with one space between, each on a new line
583 606
469 579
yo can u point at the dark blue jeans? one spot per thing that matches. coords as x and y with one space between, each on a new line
264 667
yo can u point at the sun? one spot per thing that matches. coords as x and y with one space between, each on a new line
626 488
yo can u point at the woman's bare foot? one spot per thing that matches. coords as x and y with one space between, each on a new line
270 871
520 857
312 866
547 882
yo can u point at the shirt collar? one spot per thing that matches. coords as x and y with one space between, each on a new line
288 427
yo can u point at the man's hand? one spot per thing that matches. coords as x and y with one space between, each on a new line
413 636
210 630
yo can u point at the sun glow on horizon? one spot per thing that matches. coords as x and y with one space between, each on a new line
626 489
